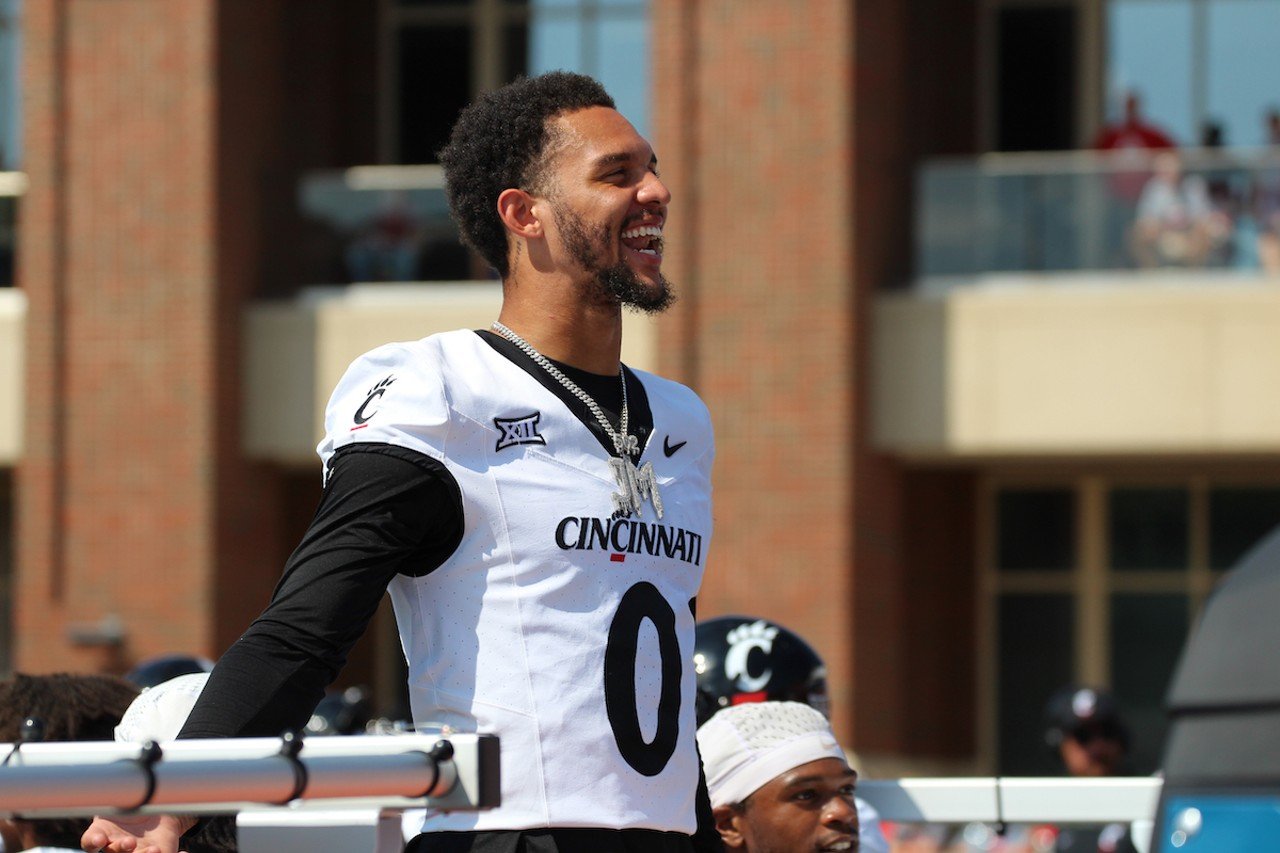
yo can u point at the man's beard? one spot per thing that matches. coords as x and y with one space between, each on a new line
614 284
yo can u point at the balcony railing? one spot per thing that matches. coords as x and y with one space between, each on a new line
386 223
1090 211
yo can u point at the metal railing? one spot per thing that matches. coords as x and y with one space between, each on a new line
220 776
1076 211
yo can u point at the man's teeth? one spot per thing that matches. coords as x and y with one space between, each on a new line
642 231
650 234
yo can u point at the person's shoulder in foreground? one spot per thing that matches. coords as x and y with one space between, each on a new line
778 779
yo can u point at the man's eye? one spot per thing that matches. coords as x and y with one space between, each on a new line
805 795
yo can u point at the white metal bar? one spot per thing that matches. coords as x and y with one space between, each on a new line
1013 800
232 775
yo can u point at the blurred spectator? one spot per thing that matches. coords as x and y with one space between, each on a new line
1128 145
1132 131
387 248
1266 200
778 780
62 707
1176 223
1084 729
157 670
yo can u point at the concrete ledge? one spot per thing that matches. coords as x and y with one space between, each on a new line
13 361
296 350
1175 363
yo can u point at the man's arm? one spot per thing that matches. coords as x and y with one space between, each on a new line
385 511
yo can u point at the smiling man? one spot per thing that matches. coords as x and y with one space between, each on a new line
779 782
538 511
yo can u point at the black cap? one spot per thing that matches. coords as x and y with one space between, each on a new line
1077 709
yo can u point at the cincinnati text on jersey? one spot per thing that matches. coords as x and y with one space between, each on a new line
629 536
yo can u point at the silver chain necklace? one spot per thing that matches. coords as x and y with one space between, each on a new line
635 484
623 443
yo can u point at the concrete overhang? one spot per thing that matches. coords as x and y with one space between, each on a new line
13 359
1129 364
297 350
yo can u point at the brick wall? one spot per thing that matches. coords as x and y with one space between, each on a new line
788 134
164 144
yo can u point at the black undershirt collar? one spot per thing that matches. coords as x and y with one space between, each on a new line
605 390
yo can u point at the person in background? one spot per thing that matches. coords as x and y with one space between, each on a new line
778 780
1127 146
1085 730
1266 199
742 659
62 707
1176 222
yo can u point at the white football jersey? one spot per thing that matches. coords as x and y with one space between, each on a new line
558 624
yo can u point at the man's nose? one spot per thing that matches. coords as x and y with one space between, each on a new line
841 810
654 191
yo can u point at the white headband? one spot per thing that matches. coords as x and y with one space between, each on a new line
744 747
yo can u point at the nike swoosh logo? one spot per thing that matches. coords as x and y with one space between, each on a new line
670 449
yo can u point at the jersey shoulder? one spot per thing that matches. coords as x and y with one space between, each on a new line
398 394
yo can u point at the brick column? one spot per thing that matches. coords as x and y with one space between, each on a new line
134 504
754 132
788 136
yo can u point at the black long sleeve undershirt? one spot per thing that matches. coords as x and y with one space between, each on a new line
385 511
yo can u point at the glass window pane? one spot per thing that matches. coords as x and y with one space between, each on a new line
435 84
10 85
1149 51
555 43
1036 659
1148 528
1036 529
1238 518
1243 67
1147 634
624 66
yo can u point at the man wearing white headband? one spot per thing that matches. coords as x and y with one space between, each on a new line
778 780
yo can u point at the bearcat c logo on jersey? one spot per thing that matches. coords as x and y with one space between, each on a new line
364 413
742 640
521 430
623 536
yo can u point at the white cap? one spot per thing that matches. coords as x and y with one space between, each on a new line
744 747
159 712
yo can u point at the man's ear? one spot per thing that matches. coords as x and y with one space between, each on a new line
729 824
515 209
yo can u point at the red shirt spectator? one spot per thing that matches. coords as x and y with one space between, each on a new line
1132 134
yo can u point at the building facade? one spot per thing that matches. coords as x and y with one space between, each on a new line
966 448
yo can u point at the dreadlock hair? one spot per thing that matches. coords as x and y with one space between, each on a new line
70 707
500 142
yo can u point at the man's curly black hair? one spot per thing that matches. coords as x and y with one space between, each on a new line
499 142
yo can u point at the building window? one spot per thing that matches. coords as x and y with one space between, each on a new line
1097 579
1196 63
438 55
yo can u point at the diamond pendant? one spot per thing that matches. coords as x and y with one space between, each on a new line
634 485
